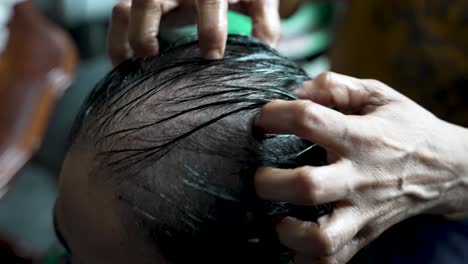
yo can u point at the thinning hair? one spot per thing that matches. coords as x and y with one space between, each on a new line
173 132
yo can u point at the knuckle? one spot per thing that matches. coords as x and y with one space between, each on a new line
329 260
211 30
143 44
373 82
380 92
375 87
325 79
121 13
305 113
138 43
212 34
326 242
309 184
268 29
146 4
210 2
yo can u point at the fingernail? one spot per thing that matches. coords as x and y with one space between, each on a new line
213 55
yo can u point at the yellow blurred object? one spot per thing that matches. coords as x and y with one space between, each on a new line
419 47
36 66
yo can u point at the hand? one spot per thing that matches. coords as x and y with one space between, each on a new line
135 24
389 160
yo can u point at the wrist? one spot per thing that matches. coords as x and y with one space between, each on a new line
454 193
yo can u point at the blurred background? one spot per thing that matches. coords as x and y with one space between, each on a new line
26 211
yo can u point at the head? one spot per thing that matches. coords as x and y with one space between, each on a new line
161 162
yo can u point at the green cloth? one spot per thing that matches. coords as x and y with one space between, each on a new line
310 15
55 255
53 258
237 24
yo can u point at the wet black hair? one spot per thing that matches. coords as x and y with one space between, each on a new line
174 132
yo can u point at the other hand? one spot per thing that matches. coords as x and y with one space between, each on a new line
390 159
135 24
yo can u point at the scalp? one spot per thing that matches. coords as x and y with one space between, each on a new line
173 134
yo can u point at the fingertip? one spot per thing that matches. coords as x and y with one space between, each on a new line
212 28
288 221
295 234
119 53
306 84
118 47
267 34
262 169
319 89
212 46
286 227
264 120
262 181
213 54
258 131
300 93
259 172
212 42
266 21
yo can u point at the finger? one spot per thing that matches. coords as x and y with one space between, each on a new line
362 235
266 21
144 26
342 257
306 185
346 93
212 27
306 119
118 47
323 239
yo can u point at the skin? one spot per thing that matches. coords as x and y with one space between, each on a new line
89 217
134 24
390 159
